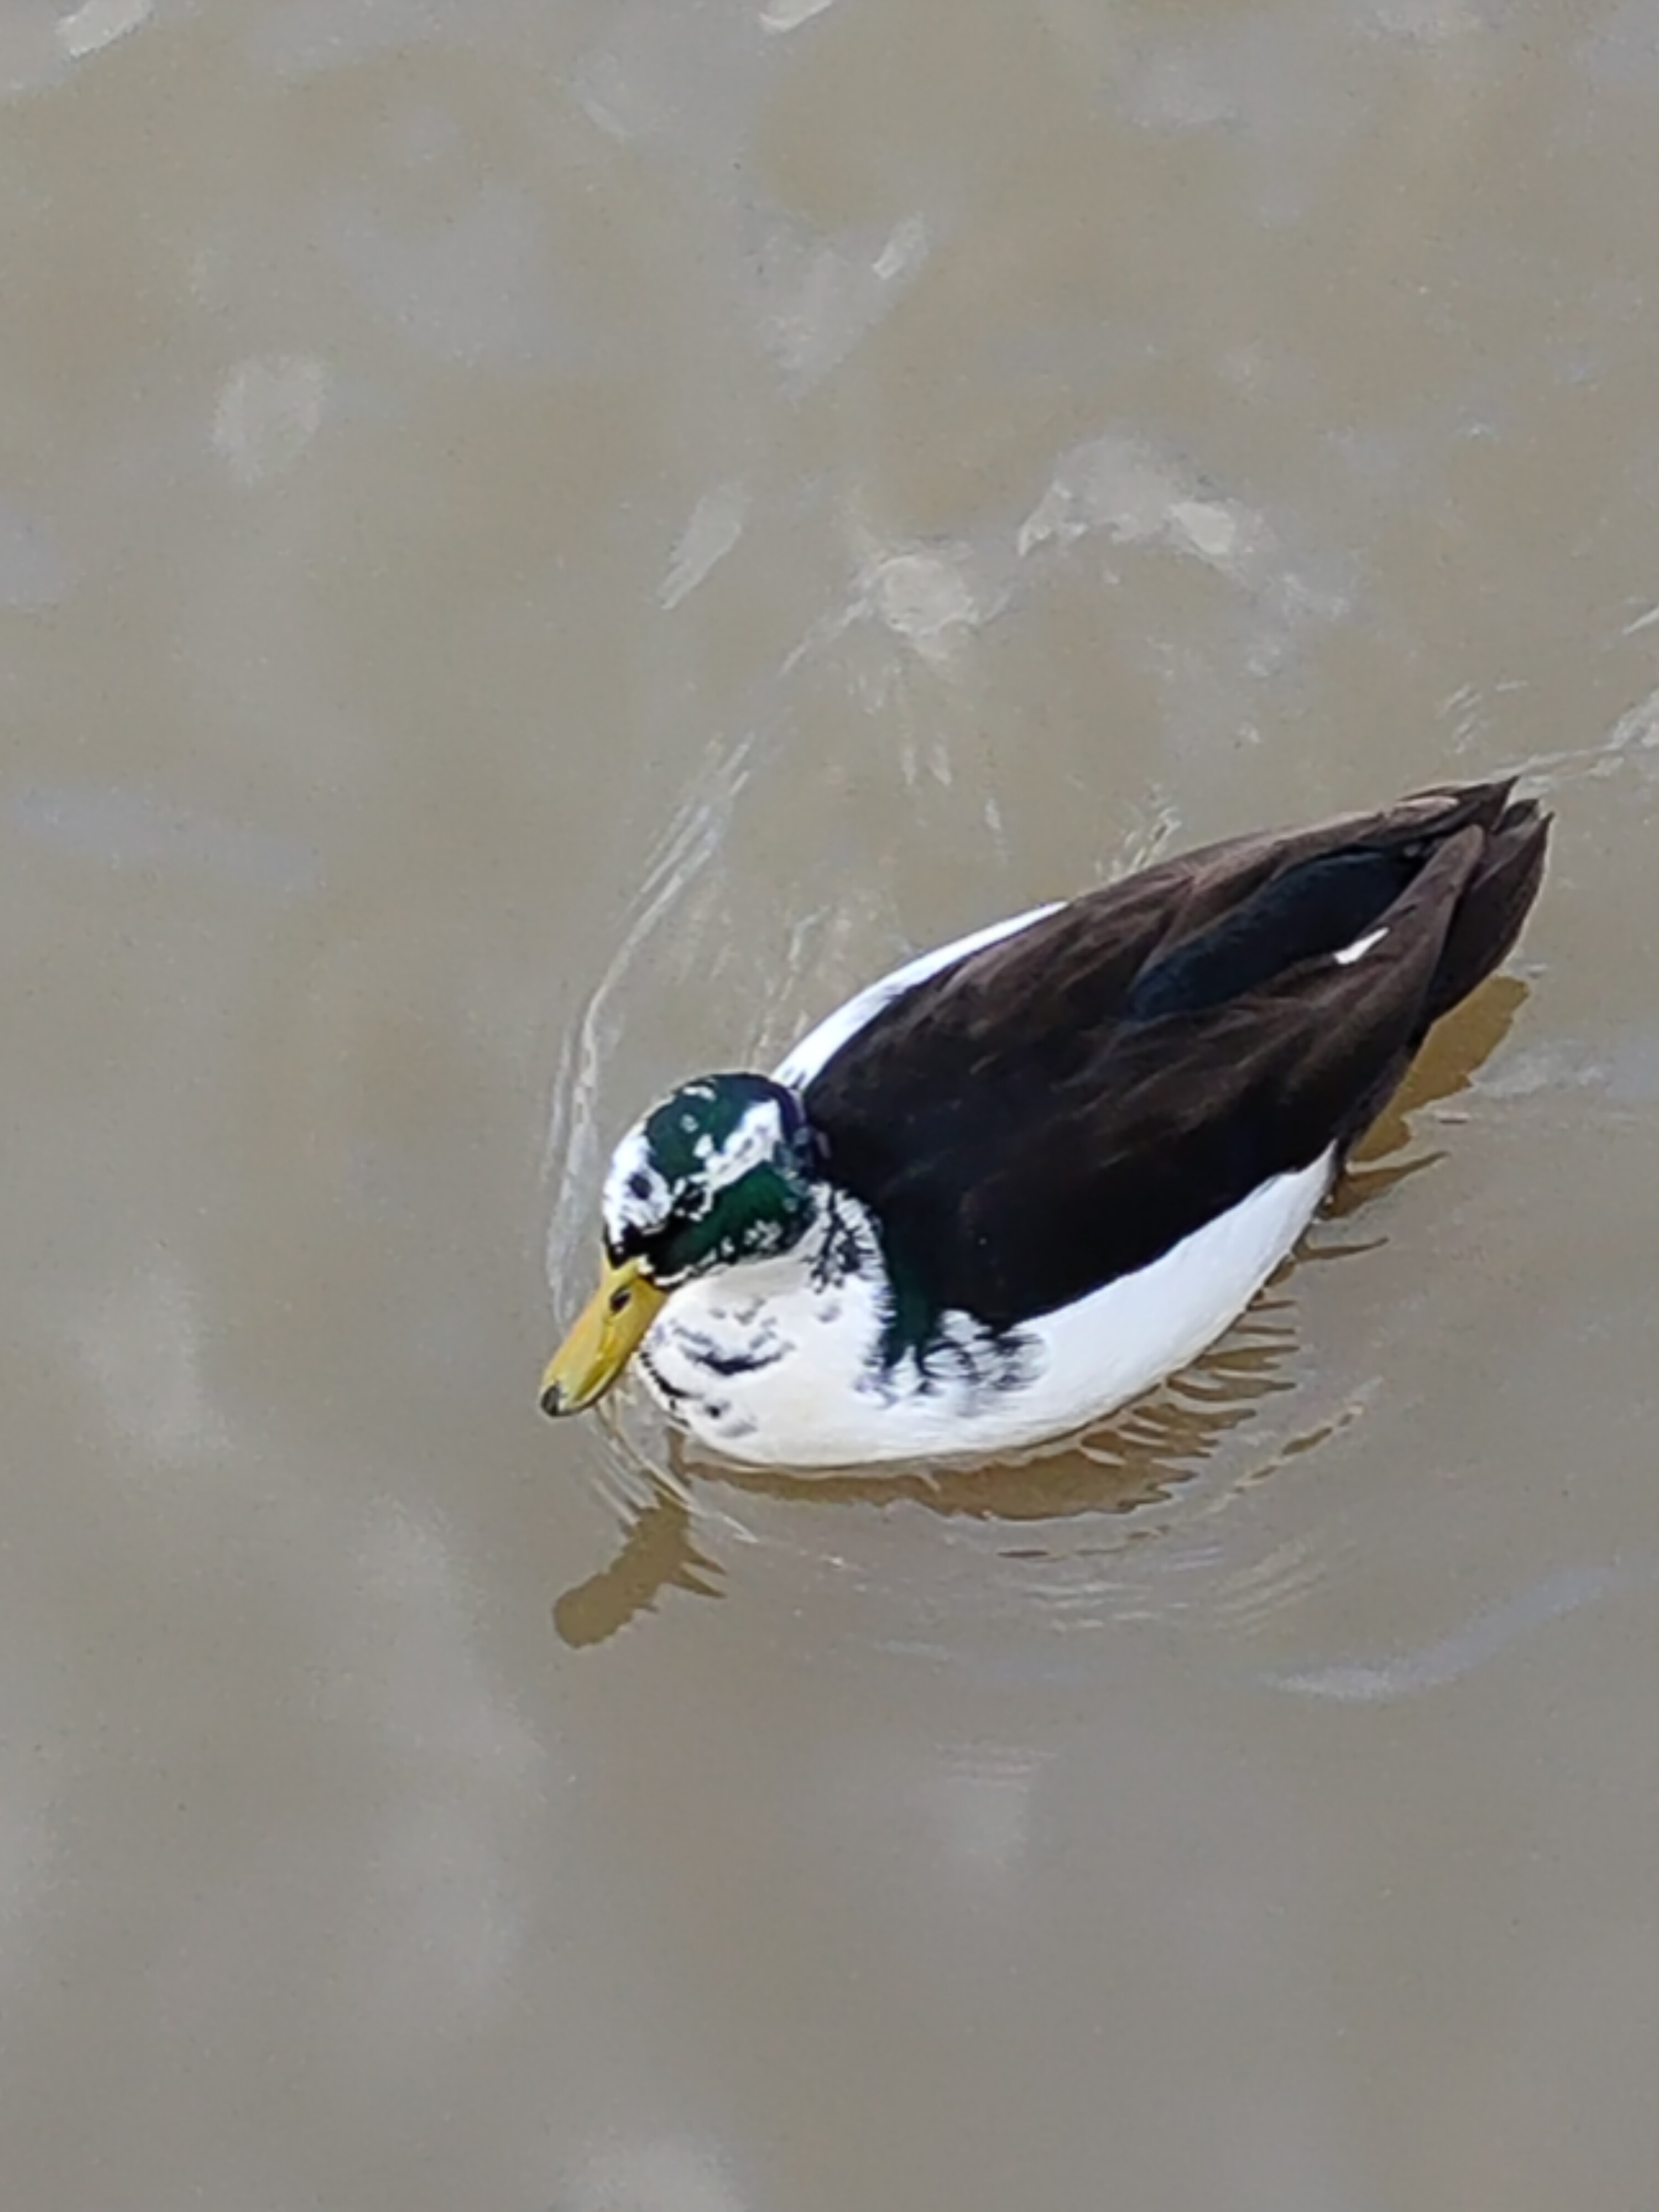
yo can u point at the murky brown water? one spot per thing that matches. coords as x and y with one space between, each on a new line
538 547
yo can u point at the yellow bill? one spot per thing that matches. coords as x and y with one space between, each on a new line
603 1340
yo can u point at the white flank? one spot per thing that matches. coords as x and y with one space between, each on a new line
803 1060
813 1397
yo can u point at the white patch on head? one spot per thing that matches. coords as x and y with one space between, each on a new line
639 1197
636 1195
1359 948
758 1135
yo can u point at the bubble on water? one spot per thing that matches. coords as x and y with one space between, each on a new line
715 525
268 412
98 23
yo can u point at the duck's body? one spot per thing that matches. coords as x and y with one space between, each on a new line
1016 1183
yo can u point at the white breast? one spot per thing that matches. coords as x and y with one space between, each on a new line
769 1365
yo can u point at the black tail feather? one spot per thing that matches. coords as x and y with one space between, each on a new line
1489 914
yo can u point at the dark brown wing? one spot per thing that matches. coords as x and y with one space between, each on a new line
1062 1108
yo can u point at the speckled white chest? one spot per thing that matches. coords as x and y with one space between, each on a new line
778 1363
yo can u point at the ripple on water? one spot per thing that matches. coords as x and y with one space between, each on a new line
1123 1522
1134 1521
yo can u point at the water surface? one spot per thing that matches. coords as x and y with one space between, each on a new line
540 548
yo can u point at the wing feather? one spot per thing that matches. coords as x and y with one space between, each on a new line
1062 1107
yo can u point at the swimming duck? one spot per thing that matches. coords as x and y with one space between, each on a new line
1020 1180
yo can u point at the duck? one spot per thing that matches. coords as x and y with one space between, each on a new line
1009 1187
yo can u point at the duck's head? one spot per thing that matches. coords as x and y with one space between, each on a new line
722 1171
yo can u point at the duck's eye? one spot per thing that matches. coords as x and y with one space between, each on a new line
639 1184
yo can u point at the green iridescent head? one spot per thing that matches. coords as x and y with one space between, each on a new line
722 1171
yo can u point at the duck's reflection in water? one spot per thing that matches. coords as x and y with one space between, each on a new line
1161 1442
658 1553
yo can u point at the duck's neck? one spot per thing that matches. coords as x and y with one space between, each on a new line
845 1244
840 1245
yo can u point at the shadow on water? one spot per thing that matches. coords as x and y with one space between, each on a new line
658 1553
1138 1460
